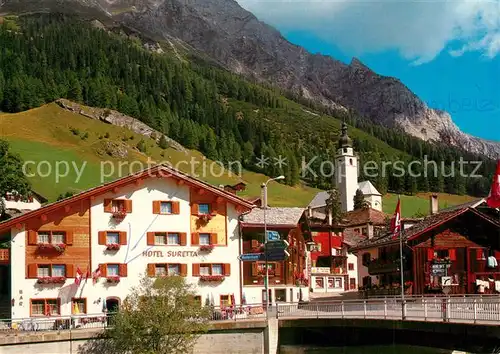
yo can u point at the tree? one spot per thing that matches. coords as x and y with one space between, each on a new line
334 206
359 200
12 177
158 317
163 143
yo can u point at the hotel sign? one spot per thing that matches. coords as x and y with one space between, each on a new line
168 254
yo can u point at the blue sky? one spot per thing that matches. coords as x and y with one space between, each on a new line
447 52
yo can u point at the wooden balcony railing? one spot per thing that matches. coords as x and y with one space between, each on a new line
4 256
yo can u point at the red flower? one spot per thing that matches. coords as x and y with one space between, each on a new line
113 279
58 247
51 280
113 247
211 278
206 248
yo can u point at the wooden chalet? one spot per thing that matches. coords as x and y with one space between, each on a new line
454 251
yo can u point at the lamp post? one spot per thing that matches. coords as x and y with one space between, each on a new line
264 187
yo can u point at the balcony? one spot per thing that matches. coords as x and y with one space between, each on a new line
4 256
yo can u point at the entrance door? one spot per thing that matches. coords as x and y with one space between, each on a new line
112 307
352 283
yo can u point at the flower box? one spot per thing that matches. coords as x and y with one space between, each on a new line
271 272
206 248
57 247
205 218
119 215
51 280
212 278
113 247
113 279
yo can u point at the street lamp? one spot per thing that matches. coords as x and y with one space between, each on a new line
264 187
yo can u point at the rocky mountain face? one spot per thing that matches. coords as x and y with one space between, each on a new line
239 41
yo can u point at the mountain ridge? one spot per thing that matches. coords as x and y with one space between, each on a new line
242 43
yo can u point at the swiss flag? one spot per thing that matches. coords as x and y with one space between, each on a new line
494 197
396 220
78 277
95 275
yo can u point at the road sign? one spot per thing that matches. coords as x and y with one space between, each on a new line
250 257
280 244
273 236
276 256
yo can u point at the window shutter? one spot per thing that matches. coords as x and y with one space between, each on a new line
214 209
108 205
277 269
213 239
104 270
102 237
70 270
32 270
156 206
255 269
128 205
69 237
430 254
182 238
453 254
151 269
32 237
195 238
196 270
122 269
194 209
151 238
227 269
183 270
123 238
176 208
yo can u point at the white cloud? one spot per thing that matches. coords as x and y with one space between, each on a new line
419 30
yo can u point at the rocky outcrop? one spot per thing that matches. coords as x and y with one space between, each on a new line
236 39
118 119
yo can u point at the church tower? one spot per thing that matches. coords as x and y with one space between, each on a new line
346 170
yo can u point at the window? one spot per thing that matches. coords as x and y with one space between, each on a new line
350 266
338 283
117 205
350 162
203 208
204 239
160 270
224 300
173 269
79 306
204 269
173 239
357 230
331 283
364 231
55 237
165 207
161 238
320 283
45 307
112 238
280 295
44 271
366 259
112 270
216 269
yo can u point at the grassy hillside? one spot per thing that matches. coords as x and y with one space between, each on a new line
54 135
48 134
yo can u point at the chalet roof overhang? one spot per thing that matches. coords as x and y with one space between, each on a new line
158 171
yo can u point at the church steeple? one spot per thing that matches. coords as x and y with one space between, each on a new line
344 141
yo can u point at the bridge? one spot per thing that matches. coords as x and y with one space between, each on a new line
427 321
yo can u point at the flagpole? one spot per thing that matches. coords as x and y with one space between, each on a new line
401 261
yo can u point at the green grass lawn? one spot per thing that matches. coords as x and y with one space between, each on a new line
419 204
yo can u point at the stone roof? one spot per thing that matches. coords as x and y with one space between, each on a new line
352 238
364 216
274 216
368 188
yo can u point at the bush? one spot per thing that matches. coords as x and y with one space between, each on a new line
106 135
141 146
75 131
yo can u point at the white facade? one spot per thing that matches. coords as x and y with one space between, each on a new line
346 177
21 204
136 254
375 201
254 294
362 272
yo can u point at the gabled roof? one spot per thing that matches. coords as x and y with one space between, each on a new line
368 188
286 217
427 224
319 200
158 171
364 216
353 238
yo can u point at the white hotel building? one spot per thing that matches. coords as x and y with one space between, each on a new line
159 221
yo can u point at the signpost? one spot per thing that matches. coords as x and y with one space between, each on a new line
273 236
280 244
250 257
